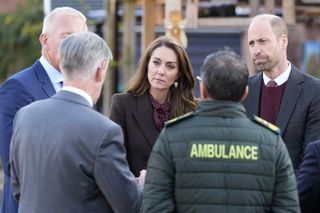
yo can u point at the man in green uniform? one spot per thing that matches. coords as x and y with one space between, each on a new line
216 159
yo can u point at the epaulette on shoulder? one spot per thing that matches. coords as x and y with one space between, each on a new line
180 118
266 124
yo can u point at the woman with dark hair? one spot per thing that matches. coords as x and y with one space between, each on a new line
161 89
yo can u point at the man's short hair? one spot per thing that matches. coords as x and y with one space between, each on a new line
277 24
81 54
61 11
224 75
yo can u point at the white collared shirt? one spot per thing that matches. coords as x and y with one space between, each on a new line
282 78
79 92
54 75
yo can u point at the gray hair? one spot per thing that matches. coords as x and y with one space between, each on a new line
61 11
82 53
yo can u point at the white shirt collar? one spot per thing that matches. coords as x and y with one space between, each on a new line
54 75
79 92
282 78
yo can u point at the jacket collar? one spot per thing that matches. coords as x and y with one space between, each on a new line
221 108
71 97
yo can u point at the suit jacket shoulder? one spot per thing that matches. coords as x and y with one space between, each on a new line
35 81
19 90
255 78
302 78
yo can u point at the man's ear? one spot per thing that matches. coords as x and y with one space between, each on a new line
283 41
44 41
101 72
245 93
203 91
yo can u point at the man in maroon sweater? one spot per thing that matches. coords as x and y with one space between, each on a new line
292 99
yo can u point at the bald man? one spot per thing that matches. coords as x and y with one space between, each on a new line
39 81
279 92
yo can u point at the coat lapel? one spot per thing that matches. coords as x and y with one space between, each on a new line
43 77
144 118
253 101
290 98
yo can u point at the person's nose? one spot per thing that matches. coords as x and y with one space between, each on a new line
161 69
255 50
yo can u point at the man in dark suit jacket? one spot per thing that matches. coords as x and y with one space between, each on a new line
40 81
309 179
293 104
65 156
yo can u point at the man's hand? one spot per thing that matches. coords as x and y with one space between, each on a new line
141 178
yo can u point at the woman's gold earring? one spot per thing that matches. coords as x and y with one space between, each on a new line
175 84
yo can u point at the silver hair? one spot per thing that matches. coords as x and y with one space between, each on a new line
61 11
82 53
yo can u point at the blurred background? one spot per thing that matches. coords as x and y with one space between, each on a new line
202 26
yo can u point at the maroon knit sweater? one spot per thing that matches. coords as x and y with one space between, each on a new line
270 102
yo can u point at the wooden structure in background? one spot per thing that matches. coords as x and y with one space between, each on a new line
111 38
288 10
128 53
175 22
148 24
